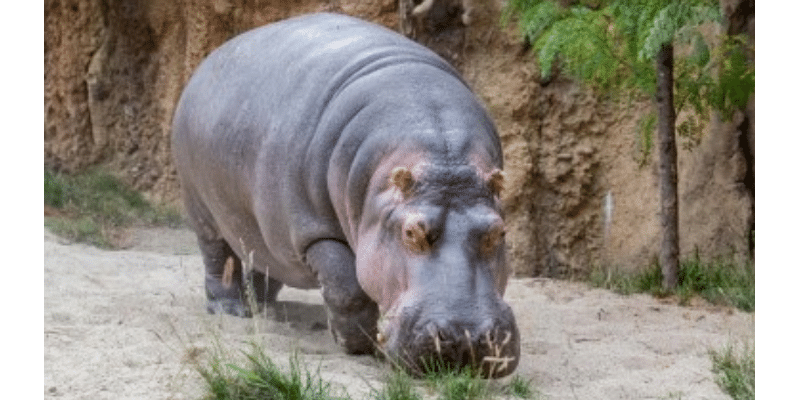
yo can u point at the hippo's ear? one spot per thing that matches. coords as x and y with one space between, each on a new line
401 178
495 181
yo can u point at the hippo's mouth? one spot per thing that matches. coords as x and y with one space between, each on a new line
491 354
490 349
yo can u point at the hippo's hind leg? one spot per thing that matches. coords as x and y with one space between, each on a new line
224 284
352 315
228 289
265 289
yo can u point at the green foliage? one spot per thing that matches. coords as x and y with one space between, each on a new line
54 187
647 125
737 75
467 384
646 281
93 207
670 21
719 282
736 373
81 229
576 39
520 388
537 16
398 386
458 385
262 379
611 45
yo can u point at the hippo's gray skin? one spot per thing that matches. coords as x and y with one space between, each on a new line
336 153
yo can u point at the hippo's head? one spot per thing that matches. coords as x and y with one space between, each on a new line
432 255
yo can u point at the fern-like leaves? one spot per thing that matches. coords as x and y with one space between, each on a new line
611 46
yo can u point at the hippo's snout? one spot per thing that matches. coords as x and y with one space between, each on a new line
494 351
490 348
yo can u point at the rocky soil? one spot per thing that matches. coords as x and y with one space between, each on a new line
127 324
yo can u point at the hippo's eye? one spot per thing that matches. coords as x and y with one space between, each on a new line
415 235
492 239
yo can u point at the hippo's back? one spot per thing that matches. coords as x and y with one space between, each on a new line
291 70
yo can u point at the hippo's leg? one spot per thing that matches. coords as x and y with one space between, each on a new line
273 287
352 315
224 279
224 284
262 295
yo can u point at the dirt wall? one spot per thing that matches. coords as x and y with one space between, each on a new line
577 195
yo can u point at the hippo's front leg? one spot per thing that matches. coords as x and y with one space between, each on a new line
352 315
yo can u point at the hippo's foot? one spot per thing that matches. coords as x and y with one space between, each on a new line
229 300
355 330
242 302
228 306
230 288
352 315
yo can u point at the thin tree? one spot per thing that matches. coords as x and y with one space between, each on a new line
626 48
668 166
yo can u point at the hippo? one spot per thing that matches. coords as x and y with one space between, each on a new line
324 151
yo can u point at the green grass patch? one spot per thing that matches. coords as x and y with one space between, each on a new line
466 384
94 207
253 375
627 283
81 229
398 386
454 385
521 388
718 281
736 372
458 385
262 379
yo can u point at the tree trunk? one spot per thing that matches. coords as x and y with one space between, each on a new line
741 20
668 167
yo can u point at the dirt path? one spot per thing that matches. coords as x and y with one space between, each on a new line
122 325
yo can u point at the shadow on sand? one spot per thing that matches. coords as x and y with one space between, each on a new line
299 315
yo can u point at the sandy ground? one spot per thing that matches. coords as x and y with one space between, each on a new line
125 325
